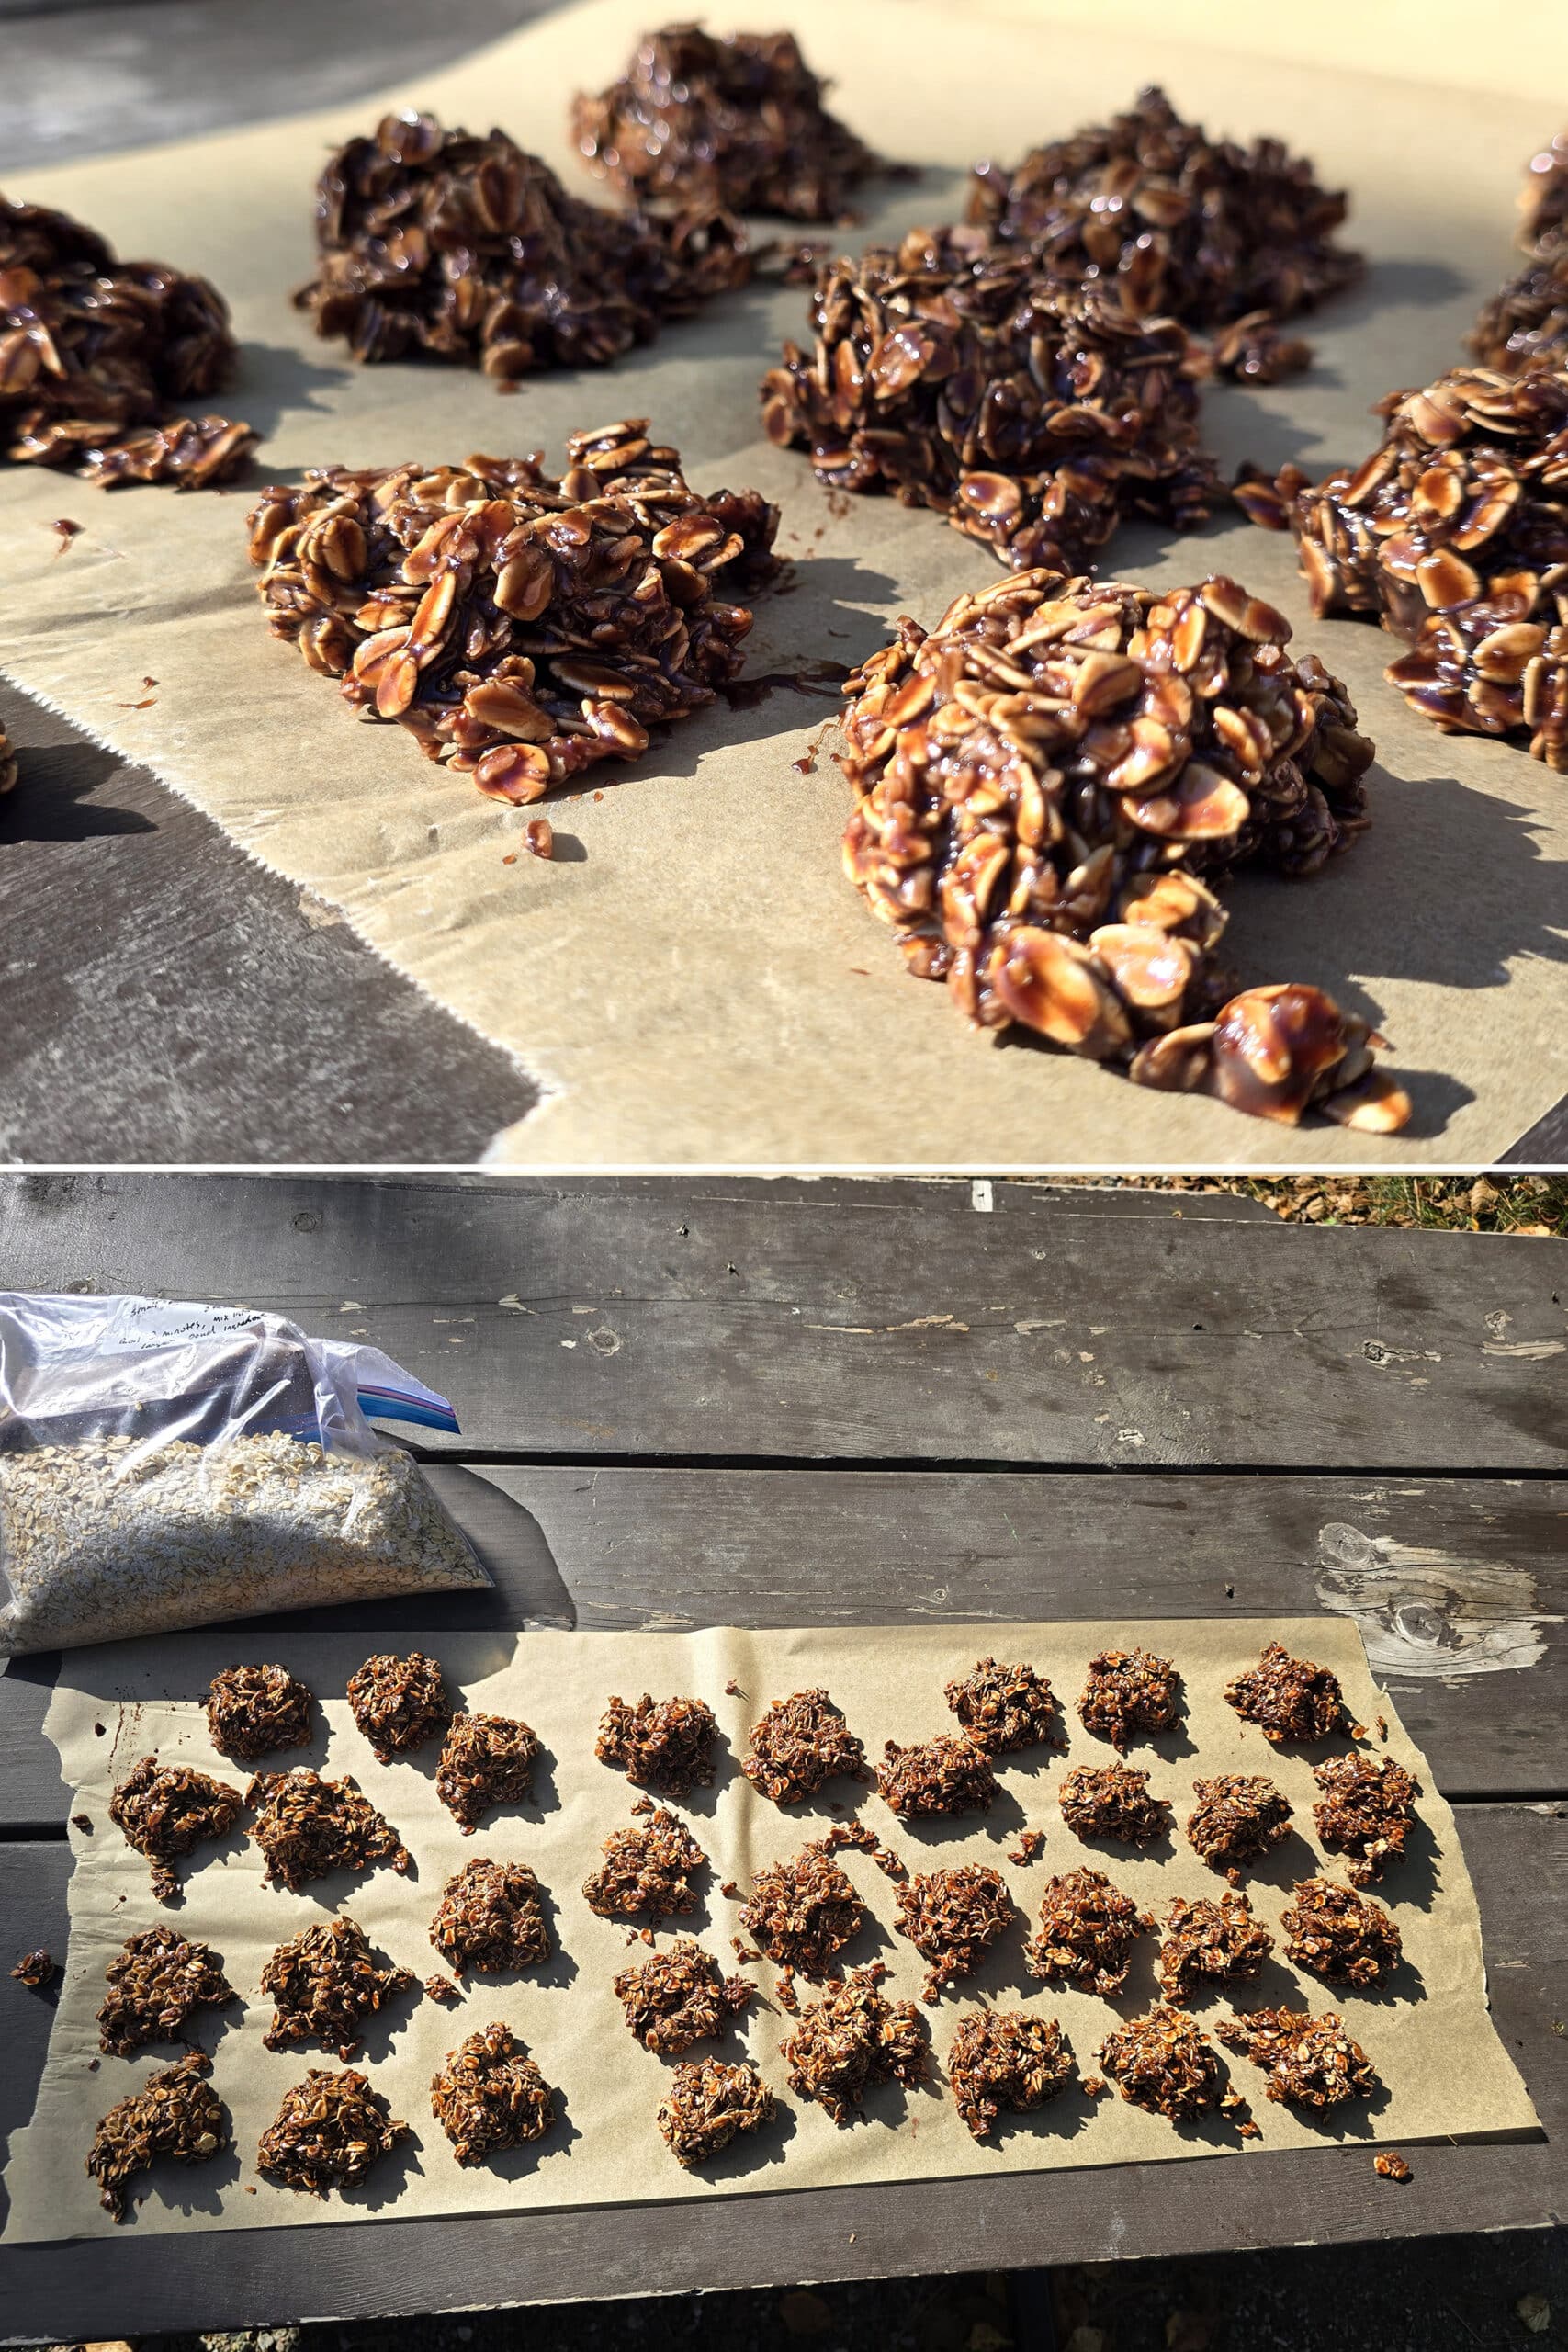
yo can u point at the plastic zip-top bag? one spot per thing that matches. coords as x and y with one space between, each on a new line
165 1465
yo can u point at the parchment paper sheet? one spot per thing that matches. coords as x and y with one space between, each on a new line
693 979
1428 2032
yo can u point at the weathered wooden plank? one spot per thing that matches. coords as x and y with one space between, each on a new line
1453 1577
714 1318
1517 1855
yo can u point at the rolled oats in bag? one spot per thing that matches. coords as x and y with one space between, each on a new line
167 1465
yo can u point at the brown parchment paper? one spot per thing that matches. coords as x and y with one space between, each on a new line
1428 2032
693 979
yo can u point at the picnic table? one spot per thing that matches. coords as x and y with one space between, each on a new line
695 1401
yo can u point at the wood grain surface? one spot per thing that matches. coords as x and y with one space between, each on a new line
711 1318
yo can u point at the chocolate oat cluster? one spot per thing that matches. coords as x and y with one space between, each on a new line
952 1917
1453 534
1164 2063
962 376
801 1743
399 1702
1129 1691
325 1983
1086 1931
1339 1935
1309 2061
680 1996
852 2037
942 1775
665 1744
491 1918
1239 1817
1150 208
1211 1942
1004 1708
330 2133
157 1983
253 1711
1526 322
99 357
708 2104
647 1872
491 2096
1046 785
176 2113
802 1913
521 625
486 1760
167 1810
1114 1802
307 1826
1367 1810
1287 1698
1004 2061
736 122
434 242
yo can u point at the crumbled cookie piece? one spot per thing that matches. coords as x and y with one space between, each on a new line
851 2038
666 1747
307 1826
491 1918
253 1710
175 2114
1343 1937
647 1871
1390 2165
37 1969
330 2133
167 1810
952 1917
1310 2062
1129 1691
1029 1841
399 1702
488 1760
1211 1942
489 2094
942 1775
156 1984
860 1834
680 1997
1006 2061
709 2103
1113 1801
1004 1708
1163 2062
801 1743
1239 1817
804 1912
324 1983
1086 1931
443 1989
1287 1698
1367 1811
